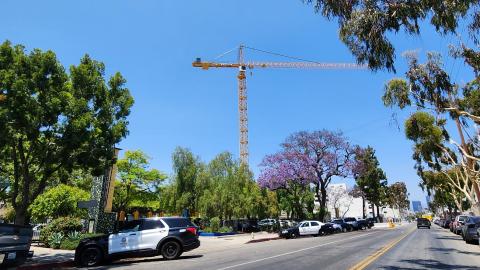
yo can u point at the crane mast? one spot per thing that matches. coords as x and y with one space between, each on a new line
242 108
242 85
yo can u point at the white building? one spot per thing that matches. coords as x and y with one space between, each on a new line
341 204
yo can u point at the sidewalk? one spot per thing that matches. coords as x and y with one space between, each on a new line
221 242
47 258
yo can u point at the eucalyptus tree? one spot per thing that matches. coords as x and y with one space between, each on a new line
397 196
55 121
366 27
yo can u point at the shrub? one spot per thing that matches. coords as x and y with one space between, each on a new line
63 225
225 229
55 239
215 224
75 235
69 244
57 202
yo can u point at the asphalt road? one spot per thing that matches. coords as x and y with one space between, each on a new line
419 249
436 248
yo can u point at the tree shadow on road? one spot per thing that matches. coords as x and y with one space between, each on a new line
450 238
427 264
451 250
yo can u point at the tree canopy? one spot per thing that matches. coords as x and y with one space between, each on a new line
136 181
59 201
309 157
369 177
53 121
366 25
223 189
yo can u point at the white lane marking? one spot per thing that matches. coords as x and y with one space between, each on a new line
292 252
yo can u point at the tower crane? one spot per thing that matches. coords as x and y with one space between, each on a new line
242 67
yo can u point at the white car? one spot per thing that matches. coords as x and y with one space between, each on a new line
306 227
267 222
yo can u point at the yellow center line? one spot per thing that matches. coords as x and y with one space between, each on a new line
372 257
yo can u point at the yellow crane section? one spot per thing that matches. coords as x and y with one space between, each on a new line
242 87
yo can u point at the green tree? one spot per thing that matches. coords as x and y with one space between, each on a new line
397 196
366 28
136 180
59 201
370 178
51 120
186 169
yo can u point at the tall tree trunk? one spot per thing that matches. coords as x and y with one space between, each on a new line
21 217
323 200
363 206
471 164
373 211
380 218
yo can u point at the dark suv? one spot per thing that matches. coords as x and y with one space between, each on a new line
423 222
166 236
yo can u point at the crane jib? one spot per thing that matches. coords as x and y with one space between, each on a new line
251 65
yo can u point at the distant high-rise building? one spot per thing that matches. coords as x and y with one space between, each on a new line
417 206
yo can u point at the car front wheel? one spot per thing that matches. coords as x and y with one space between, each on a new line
171 250
90 256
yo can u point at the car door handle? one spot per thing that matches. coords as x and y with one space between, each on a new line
133 234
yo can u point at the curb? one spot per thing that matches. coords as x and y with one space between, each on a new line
263 240
51 265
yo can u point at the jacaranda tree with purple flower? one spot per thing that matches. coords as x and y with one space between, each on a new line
309 158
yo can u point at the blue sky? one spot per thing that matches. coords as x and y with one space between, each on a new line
152 43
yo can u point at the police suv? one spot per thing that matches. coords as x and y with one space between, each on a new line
166 236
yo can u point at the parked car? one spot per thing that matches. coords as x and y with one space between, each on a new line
469 229
169 237
458 223
478 233
451 226
306 227
267 222
15 241
344 225
357 224
330 228
446 224
247 226
287 223
370 222
423 222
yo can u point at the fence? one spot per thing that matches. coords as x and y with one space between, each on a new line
36 236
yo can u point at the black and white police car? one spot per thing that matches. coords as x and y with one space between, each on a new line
306 227
166 236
